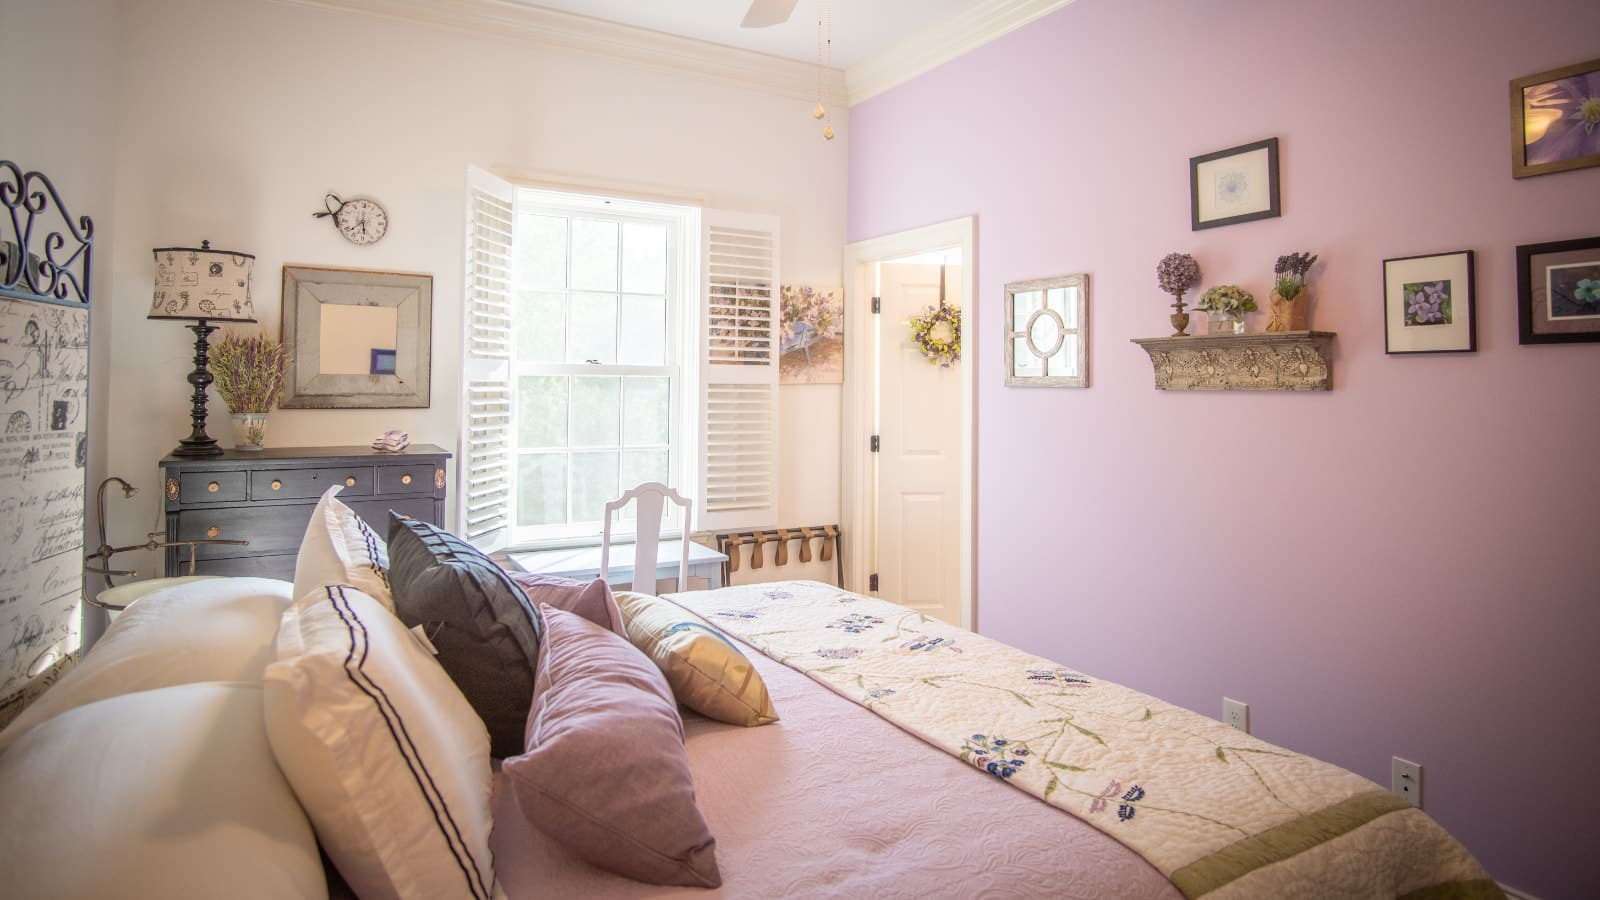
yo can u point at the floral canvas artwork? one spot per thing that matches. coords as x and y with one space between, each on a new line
1555 120
812 351
1428 303
1561 119
1574 291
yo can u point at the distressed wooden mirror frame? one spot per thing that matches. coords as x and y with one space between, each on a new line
1077 333
307 288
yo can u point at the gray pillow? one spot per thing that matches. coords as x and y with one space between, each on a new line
485 630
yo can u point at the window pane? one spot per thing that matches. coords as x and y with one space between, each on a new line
542 252
643 331
594 484
644 258
594 329
599 404
594 255
639 466
541 411
541 327
542 489
647 412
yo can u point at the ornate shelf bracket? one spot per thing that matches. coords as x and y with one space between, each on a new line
1269 361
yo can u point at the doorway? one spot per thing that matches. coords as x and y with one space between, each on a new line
908 467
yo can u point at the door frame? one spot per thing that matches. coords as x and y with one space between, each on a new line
855 459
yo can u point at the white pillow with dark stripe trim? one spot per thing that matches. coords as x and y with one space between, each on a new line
383 751
341 548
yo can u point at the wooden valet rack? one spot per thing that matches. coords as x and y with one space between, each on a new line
830 546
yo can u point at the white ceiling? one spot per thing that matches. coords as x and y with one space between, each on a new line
861 28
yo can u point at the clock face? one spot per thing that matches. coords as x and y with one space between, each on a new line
362 221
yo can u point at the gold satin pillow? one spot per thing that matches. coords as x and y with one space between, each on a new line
707 673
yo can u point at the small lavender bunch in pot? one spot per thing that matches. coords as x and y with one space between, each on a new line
1291 296
1177 273
249 374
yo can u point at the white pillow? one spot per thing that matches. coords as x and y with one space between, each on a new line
382 749
341 548
218 629
169 793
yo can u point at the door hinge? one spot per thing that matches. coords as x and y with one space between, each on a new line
876 444
877 305
872 582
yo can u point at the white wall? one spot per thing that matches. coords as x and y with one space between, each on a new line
236 116
56 60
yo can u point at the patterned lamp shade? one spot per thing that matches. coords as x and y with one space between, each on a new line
202 283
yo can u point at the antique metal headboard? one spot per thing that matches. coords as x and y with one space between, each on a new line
45 257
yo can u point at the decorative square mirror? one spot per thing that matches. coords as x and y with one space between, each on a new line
357 339
1047 332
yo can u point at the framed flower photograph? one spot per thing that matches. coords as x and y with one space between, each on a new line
1430 304
1555 120
1236 185
1558 291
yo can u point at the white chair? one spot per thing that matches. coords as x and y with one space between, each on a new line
651 497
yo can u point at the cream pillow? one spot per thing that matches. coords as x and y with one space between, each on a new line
706 671
169 793
340 548
384 752
212 630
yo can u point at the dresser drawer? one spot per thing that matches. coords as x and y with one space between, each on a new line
405 480
293 484
376 512
212 487
269 529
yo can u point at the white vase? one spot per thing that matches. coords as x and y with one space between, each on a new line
249 431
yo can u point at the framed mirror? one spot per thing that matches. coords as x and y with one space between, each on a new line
358 339
1047 332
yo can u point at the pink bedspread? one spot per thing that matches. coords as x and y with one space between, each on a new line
807 807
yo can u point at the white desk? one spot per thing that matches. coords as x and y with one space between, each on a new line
583 563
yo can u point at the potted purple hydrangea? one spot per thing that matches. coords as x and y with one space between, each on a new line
1177 273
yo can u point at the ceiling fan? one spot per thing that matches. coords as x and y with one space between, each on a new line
764 13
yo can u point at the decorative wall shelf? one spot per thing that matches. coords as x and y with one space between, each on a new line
1276 361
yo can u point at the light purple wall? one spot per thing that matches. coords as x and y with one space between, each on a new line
1408 565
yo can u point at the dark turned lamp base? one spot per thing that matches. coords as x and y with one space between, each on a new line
199 444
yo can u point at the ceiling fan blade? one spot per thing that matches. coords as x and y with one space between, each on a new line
763 13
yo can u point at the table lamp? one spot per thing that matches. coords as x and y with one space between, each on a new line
202 285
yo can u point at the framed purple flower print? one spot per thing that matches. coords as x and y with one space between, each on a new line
1555 120
1429 304
1558 291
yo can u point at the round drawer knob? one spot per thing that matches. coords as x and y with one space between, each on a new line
277 485
213 531
405 479
350 482
213 487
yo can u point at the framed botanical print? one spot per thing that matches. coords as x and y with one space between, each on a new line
1558 291
1236 185
1555 120
1429 304
1047 332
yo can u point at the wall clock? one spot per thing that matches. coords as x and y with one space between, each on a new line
361 221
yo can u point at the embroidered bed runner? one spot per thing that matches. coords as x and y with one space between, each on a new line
1217 811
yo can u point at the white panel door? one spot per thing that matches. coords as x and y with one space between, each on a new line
919 460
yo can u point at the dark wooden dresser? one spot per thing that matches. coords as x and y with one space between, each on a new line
266 497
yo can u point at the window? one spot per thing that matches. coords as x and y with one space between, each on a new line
607 342
598 354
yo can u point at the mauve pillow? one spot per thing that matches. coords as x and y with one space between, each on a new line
593 600
605 774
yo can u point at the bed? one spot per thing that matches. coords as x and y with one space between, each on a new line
226 734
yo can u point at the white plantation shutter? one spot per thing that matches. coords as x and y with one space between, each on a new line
484 489
739 372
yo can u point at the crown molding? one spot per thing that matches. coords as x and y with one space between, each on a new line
525 22
941 42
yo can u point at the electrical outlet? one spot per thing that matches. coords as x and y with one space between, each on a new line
1236 714
1405 779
